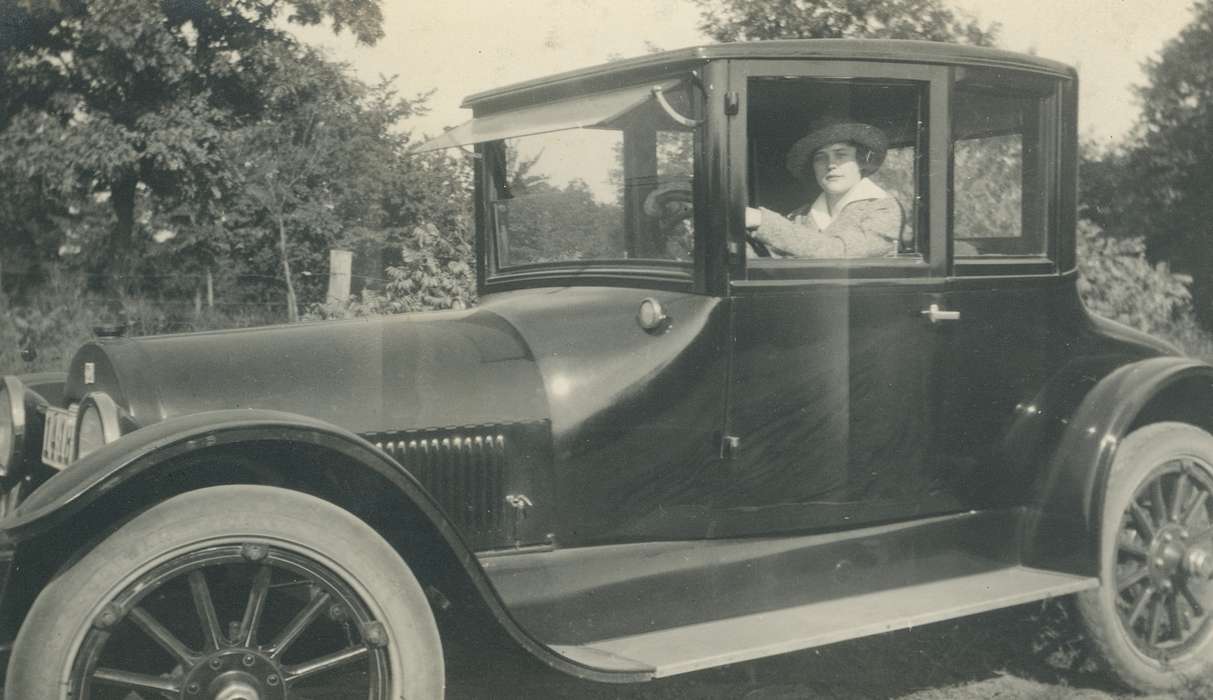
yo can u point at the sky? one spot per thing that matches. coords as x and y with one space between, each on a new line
457 47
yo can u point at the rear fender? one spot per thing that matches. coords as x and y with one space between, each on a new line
1062 526
104 489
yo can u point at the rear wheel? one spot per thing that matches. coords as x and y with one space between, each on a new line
1151 620
232 592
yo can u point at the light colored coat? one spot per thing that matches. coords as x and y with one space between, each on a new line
868 224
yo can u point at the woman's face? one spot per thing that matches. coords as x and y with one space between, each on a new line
836 169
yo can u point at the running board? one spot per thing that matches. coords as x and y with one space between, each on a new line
703 645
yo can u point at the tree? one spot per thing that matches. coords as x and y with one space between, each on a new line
313 170
1104 182
125 96
1159 185
750 20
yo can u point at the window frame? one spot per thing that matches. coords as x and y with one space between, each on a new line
648 273
931 196
1049 91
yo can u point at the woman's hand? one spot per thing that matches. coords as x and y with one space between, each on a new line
753 218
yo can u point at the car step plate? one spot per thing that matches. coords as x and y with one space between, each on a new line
704 645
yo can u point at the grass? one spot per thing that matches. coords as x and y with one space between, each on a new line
62 318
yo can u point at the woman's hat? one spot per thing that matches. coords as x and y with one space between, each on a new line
828 131
659 199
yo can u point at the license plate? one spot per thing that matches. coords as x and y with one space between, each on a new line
59 437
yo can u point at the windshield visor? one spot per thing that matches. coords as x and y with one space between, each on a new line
573 113
621 190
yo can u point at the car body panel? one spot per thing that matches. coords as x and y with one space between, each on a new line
375 375
636 417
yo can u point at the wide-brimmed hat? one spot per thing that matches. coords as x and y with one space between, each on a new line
828 131
678 191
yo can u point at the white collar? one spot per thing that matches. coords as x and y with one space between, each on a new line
864 189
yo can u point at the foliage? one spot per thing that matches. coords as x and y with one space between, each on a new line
749 20
988 199
61 317
171 142
1159 183
1118 282
317 161
547 222
54 324
125 97
436 273
1103 184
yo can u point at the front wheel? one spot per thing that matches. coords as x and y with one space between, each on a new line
232 592
1151 619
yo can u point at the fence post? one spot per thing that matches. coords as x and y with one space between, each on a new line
210 290
340 263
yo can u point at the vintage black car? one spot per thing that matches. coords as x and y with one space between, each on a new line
663 440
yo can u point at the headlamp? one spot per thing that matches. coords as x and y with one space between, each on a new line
12 423
96 423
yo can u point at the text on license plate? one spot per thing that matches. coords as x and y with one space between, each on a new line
59 437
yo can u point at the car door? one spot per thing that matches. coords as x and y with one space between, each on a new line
832 403
1006 285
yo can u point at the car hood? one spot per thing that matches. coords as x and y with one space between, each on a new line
366 375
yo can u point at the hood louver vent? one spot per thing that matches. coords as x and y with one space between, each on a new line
464 472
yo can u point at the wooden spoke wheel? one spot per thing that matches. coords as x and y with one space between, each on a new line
232 593
1151 618
1164 559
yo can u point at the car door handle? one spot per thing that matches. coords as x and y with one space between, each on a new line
937 314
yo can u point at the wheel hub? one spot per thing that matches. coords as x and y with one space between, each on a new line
235 674
1169 554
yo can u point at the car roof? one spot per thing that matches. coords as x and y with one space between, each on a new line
618 73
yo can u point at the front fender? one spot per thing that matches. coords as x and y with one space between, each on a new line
141 451
51 507
1062 526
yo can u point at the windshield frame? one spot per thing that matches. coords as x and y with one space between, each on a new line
636 272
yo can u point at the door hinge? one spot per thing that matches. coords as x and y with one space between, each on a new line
732 103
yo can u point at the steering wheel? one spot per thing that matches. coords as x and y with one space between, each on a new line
760 249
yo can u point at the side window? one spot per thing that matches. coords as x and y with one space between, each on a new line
836 169
999 181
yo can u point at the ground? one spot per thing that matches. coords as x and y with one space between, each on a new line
1031 652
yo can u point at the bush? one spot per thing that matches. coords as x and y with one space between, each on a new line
60 316
435 273
56 321
1119 283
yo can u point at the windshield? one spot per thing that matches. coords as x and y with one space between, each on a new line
617 190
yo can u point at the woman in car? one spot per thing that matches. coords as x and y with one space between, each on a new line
853 217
